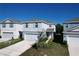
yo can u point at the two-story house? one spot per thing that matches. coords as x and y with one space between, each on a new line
28 30
71 28
71 35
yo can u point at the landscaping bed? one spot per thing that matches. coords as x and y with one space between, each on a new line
9 42
50 49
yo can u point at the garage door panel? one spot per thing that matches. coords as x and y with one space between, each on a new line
74 39
7 35
31 37
73 44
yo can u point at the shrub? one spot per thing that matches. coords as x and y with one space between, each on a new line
41 43
43 40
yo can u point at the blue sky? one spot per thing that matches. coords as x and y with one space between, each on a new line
55 13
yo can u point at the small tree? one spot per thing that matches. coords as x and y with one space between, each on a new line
58 35
59 28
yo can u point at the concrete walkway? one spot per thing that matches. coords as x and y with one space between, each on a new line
16 49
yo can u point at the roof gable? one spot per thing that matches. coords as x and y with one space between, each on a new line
37 20
8 20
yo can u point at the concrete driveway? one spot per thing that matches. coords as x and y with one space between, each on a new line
16 49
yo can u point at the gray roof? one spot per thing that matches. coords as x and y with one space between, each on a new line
28 21
37 21
10 19
71 21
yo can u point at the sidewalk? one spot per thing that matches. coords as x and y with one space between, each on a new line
16 49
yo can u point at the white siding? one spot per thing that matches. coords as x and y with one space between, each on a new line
64 37
16 28
73 45
30 36
31 27
70 26
21 27
45 26
8 35
53 26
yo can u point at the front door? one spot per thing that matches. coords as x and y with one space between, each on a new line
20 35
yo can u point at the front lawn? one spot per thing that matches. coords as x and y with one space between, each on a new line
9 42
52 49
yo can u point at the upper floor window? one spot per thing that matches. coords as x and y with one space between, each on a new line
26 25
11 25
66 25
36 25
3 25
50 26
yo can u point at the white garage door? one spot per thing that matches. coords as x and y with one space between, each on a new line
7 35
73 45
31 37
74 40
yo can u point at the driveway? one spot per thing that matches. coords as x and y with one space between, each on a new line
16 49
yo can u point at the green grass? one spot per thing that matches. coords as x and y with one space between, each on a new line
9 42
51 49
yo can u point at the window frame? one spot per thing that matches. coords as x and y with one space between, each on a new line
26 25
11 25
4 25
50 25
66 25
36 25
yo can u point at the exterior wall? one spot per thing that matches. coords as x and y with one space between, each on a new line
32 33
70 26
45 26
72 38
16 28
65 37
73 43
31 27
22 27
19 27
76 29
53 26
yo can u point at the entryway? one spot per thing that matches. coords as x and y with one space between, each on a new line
21 35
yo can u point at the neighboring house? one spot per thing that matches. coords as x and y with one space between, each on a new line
71 28
71 35
28 30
